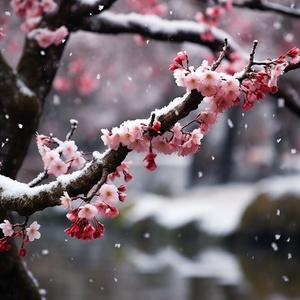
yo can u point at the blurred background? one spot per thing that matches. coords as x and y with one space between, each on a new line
223 224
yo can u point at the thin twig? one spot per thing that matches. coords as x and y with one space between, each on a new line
216 63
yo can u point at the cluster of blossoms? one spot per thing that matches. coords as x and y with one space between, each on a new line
53 158
222 91
135 135
78 78
85 224
31 11
258 84
27 234
145 7
211 18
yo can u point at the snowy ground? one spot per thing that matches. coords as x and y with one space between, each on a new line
217 209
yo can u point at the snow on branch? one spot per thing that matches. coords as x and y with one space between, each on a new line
264 5
157 28
84 8
25 200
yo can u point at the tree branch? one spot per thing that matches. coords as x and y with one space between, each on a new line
268 6
156 28
21 198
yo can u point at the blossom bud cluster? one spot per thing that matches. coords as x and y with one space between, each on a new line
211 17
32 11
135 135
53 158
28 234
144 7
222 91
85 225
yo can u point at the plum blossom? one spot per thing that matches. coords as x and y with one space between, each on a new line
192 143
46 37
66 201
2 33
149 161
69 149
62 83
87 211
86 83
105 210
57 167
109 194
7 228
32 231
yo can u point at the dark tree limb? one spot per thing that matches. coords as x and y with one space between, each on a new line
264 5
19 197
156 28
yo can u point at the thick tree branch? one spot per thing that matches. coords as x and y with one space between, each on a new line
83 9
290 96
268 6
21 198
156 28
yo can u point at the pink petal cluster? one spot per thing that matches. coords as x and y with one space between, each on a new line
78 77
212 17
122 169
31 11
144 7
52 158
2 33
7 228
32 231
46 37
85 225
28 234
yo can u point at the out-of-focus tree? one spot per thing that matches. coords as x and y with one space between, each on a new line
230 76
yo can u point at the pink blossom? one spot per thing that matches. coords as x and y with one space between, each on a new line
162 145
207 35
88 211
44 37
75 66
62 83
191 81
7 228
109 194
30 24
149 161
4 244
69 149
60 34
86 84
152 7
179 75
48 156
209 82
105 210
22 252
72 215
206 118
123 168
192 143
66 201
2 34
48 5
57 167
32 231
78 161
